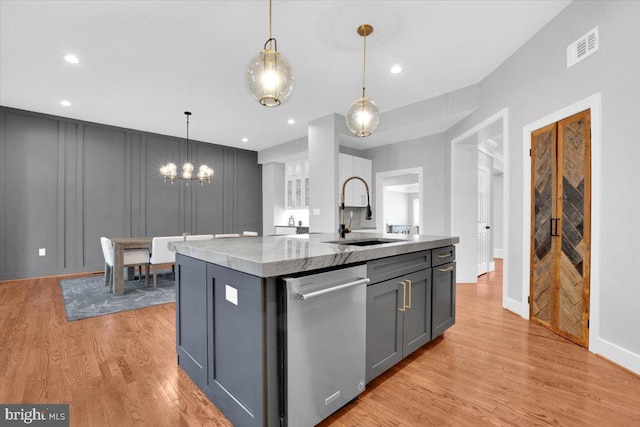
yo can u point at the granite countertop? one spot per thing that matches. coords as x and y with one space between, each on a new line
273 256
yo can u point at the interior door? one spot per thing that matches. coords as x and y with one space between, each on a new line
543 208
574 226
484 235
561 226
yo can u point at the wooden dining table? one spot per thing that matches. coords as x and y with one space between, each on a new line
121 244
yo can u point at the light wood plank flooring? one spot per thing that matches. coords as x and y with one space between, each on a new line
491 368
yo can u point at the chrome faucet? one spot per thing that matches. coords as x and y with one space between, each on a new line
343 230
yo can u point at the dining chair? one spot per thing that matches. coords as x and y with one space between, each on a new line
250 233
132 257
223 236
199 237
160 254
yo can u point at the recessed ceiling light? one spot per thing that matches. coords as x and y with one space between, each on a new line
65 103
72 59
245 139
291 121
396 69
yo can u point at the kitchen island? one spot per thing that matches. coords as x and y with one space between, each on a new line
231 309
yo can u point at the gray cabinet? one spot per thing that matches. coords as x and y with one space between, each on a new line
192 318
444 298
398 309
398 320
384 327
443 314
219 337
409 303
236 377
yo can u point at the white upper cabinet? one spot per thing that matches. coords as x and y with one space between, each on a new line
296 186
356 195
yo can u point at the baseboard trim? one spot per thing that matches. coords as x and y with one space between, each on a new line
616 354
498 253
517 307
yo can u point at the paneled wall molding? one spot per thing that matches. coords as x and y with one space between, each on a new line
62 128
98 180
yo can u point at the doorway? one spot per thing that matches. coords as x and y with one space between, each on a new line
484 206
561 226
399 200
484 145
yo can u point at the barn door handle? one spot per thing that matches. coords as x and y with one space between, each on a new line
554 231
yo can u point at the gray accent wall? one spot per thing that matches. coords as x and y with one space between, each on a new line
65 183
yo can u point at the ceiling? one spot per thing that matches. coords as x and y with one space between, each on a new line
143 63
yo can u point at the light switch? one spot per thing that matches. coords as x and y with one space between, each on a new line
231 294
316 211
42 252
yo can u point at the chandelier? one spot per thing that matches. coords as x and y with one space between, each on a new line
363 116
169 171
269 76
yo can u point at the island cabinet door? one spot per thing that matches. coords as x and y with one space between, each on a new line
384 327
417 312
236 373
191 318
443 298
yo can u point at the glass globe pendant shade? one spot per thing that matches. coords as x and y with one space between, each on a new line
269 78
362 117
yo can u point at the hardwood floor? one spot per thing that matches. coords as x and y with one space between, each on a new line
491 368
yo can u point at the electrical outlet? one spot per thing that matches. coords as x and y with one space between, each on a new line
42 252
350 214
316 211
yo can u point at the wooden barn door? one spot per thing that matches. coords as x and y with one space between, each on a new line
561 226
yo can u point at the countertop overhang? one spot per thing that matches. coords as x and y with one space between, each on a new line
273 256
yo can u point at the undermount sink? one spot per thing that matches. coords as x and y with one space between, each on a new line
365 242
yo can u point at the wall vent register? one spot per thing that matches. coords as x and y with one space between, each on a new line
583 47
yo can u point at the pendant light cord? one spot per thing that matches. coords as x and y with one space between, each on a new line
188 114
270 36
364 65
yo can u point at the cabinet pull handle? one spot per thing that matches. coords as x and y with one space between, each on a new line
409 306
447 255
446 269
404 297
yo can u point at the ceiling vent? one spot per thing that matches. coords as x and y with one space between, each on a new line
582 47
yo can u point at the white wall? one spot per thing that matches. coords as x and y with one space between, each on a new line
272 196
498 224
323 173
535 82
396 207
465 208
429 153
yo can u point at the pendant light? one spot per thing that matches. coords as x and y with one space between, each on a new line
269 76
363 116
170 170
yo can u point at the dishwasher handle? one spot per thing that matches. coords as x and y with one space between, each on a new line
331 289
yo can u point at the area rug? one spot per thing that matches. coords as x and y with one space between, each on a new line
88 296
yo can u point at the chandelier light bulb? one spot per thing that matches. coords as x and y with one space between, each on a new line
170 170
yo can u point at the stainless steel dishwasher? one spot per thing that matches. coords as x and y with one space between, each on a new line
325 343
